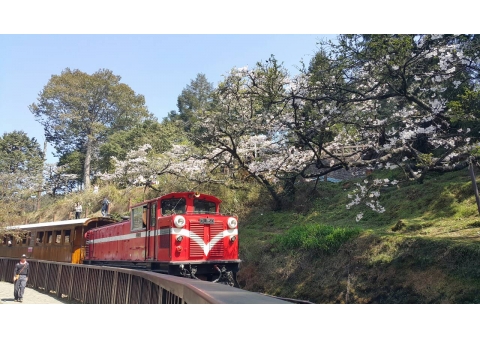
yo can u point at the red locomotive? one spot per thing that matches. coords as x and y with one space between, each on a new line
180 234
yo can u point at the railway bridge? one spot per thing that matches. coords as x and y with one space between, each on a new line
86 284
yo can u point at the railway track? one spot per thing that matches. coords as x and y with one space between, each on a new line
289 299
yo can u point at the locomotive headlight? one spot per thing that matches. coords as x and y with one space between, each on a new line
233 238
179 221
179 238
232 223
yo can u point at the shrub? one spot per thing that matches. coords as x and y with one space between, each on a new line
315 237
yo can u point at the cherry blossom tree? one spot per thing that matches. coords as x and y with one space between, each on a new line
252 134
398 89
137 169
365 101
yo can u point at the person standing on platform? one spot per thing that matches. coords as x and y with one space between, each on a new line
78 210
20 278
105 204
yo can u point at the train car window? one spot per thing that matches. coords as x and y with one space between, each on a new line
49 236
67 236
174 206
153 214
39 239
139 218
24 239
202 206
31 239
58 237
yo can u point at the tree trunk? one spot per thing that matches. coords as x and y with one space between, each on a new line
45 151
271 190
86 166
474 183
289 190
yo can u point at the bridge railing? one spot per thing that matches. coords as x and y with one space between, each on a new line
108 285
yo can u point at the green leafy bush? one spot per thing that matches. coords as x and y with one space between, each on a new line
315 237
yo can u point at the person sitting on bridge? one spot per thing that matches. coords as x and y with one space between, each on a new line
20 277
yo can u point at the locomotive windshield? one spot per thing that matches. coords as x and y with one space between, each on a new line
202 206
174 206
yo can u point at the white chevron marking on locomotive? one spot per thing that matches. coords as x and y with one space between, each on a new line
198 240
174 231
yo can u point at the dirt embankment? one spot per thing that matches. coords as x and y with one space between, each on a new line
372 269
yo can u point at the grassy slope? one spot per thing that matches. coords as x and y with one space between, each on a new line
424 249
63 208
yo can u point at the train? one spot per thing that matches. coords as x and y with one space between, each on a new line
181 233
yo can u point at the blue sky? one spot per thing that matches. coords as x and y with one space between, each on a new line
157 48
158 66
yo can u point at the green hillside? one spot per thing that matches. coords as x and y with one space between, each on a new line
424 249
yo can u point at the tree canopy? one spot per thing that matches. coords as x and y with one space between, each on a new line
78 111
195 99
21 163
20 154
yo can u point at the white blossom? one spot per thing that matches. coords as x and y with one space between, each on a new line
359 217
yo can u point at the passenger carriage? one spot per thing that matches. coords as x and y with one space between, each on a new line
60 241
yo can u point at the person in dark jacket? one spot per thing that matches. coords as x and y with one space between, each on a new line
105 204
21 269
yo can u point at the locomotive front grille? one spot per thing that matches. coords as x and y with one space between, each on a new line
216 250
196 239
